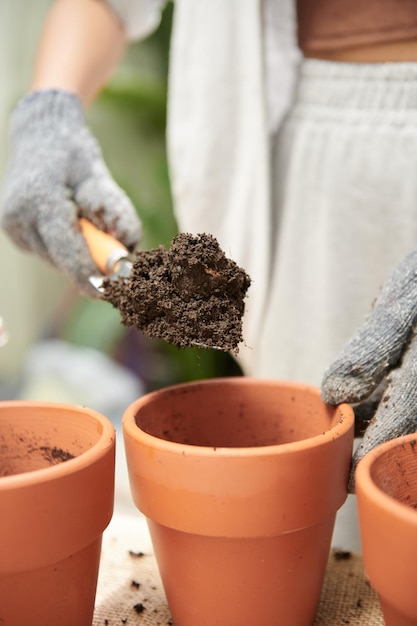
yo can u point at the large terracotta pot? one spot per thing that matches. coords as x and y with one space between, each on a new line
56 498
386 489
240 480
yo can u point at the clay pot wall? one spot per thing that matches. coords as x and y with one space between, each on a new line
240 480
56 499
386 489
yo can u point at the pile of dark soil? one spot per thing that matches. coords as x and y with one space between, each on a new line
190 294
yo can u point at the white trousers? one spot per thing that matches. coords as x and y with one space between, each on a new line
345 173
345 209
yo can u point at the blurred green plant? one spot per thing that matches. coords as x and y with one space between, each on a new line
129 120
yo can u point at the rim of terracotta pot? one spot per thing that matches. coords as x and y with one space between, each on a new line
365 483
205 486
59 525
71 465
388 529
136 432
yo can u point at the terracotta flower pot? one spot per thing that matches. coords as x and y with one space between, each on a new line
240 480
386 489
56 498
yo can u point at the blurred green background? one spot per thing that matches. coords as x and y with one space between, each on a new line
128 118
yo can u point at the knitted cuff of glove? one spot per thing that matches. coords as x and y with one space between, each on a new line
43 108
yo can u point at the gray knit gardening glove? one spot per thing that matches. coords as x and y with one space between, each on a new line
56 174
378 366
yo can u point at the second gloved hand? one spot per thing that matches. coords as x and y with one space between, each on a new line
55 175
382 355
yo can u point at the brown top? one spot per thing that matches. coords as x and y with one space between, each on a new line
339 24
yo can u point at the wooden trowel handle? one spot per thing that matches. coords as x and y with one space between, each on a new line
105 250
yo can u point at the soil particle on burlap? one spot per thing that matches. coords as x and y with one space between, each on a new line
189 294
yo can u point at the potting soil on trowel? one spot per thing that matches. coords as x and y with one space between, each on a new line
189 294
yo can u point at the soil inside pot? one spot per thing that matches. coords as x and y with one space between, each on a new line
190 294
18 455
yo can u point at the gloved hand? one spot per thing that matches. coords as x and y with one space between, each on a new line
56 174
378 366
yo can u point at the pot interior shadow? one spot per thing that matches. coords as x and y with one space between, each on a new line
395 473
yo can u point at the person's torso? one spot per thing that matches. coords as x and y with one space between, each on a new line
327 27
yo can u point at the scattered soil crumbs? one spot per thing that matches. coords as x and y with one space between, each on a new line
139 608
55 455
341 555
18 455
190 294
136 555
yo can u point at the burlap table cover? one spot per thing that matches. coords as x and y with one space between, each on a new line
130 590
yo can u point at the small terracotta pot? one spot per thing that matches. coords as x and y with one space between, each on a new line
386 489
240 480
56 498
